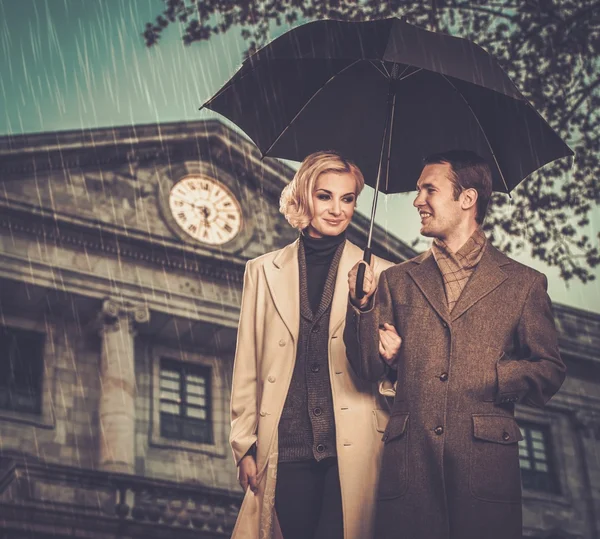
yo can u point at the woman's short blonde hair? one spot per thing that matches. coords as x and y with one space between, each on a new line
296 198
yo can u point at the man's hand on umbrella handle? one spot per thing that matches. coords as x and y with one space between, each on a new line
389 344
369 285
247 473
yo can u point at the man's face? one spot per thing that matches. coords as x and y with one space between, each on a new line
440 213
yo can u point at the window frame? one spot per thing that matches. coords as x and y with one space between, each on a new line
37 377
218 401
556 420
45 418
185 369
527 429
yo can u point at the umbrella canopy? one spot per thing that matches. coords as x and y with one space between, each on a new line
360 87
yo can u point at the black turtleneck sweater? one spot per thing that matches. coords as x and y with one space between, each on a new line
319 254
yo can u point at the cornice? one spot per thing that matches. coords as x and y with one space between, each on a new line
178 257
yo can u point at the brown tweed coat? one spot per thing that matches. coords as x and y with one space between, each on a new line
450 466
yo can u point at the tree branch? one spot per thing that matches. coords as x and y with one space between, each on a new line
587 92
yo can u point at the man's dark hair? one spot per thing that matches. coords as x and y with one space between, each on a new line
469 171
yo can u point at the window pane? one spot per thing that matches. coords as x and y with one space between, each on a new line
537 434
170 374
195 379
523 451
169 426
170 395
539 455
197 431
525 464
538 445
196 390
169 408
170 384
541 466
197 413
198 401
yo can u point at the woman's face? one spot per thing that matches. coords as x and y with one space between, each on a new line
334 200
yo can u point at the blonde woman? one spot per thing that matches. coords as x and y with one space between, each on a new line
305 432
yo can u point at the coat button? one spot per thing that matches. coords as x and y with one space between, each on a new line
281 342
315 367
444 376
439 430
317 411
505 436
444 324
316 328
320 448
271 378
263 414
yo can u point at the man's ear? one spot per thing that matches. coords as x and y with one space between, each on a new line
468 198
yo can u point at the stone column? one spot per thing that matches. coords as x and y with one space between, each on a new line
117 383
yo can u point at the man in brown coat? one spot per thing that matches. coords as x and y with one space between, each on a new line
478 336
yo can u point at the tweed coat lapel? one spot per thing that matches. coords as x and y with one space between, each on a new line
351 255
283 280
487 276
428 278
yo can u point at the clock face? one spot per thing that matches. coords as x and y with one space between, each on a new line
205 209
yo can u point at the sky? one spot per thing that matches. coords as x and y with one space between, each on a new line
76 64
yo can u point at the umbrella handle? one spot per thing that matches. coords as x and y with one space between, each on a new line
360 276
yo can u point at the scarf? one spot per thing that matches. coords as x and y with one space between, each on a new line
457 268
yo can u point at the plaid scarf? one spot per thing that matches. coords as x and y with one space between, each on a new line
457 268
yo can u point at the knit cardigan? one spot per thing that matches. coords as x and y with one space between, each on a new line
307 424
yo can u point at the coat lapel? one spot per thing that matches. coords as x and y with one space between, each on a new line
351 255
487 276
282 277
428 278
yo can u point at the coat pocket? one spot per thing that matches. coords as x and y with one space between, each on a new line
495 475
393 477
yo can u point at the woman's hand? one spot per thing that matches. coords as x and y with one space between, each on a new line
369 285
389 343
247 473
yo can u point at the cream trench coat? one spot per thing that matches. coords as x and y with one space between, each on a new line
264 362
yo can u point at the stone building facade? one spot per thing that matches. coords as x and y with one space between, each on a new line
122 253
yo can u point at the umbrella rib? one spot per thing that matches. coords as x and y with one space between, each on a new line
482 131
306 105
410 74
382 71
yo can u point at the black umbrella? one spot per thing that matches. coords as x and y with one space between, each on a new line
386 94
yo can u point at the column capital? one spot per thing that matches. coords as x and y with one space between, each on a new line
587 422
115 312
